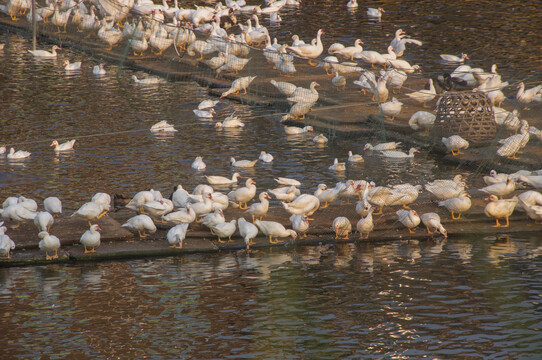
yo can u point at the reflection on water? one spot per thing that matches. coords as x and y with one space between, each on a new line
405 299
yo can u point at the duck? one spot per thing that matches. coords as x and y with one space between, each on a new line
139 45
274 230
91 239
409 218
349 51
238 85
247 231
320 139
91 211
99 70
339 81
207 104
423 96
379 89
243 163
455 144
495 178
532 180
285 88
109 34
18 213
363 206
285 64
198 164
432 223
391 108
375 13
501 189
422 120
176 235
530 197
265 157
29 204
60 18
203 207
158 208
182 216
309 51
457 205
399 154
304 204
445 192
404 66
287 181
298 111
326 195
300 225
392 145
52 205
365 225
152 80
225 229
394 78
243 194
230 122
337 166
400 41
163 127
500 209
233 66
454 59
75 66
286 193
49 243
294 130
354 158
43 221
366 81
259 209
352 4
410 194
142 223
221 180
302 94
158 43
67 146
204 114
526 97
139 199
212 219
508 119
513 144
447 182
342 227
376 58
17 155
6 244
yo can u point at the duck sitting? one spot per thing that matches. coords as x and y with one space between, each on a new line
243 163
337 166
285 193
274 230
455 143
399 154
500 209
501 189
342 227
243 194
45 53
67 146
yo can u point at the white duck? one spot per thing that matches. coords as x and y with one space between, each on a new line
212 219
422 120
176 235
225 229
455 143
348 51
198 163
302 94
67 146
203 207
53 205
152 80
75 66
300 224
352 4
238 85
399 154
17 155
286 193
454 59
6 244
526 97
501 189
532 180
49 243
409 218
99 70
142 224
432 224
44 221
243 163
204 114
298 111
287 181
511 145
458 204
285 88
163 127
423 96
354 158
230 122
337 166
495 178
274 230
376 58
392 145
339 81
304 204
400 41
45 53
342 227
391 108
207 104
326 195
91 239
320 139
18 213
247 231
91 211
221 180
265 157
366 225
381 196
109 34
243 194
500 209
182 216
259 209
158 208
445 192
404 66
309 51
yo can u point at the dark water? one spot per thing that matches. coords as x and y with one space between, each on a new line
467 299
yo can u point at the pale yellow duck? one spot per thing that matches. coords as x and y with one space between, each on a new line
259 209
243 194
500 209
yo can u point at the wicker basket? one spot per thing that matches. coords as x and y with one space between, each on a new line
469 115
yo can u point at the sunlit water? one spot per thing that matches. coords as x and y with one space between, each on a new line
468 299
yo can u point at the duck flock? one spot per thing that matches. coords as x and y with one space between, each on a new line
147 26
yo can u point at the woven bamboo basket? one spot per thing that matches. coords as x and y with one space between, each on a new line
469 115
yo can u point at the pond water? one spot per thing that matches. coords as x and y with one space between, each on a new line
466 298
